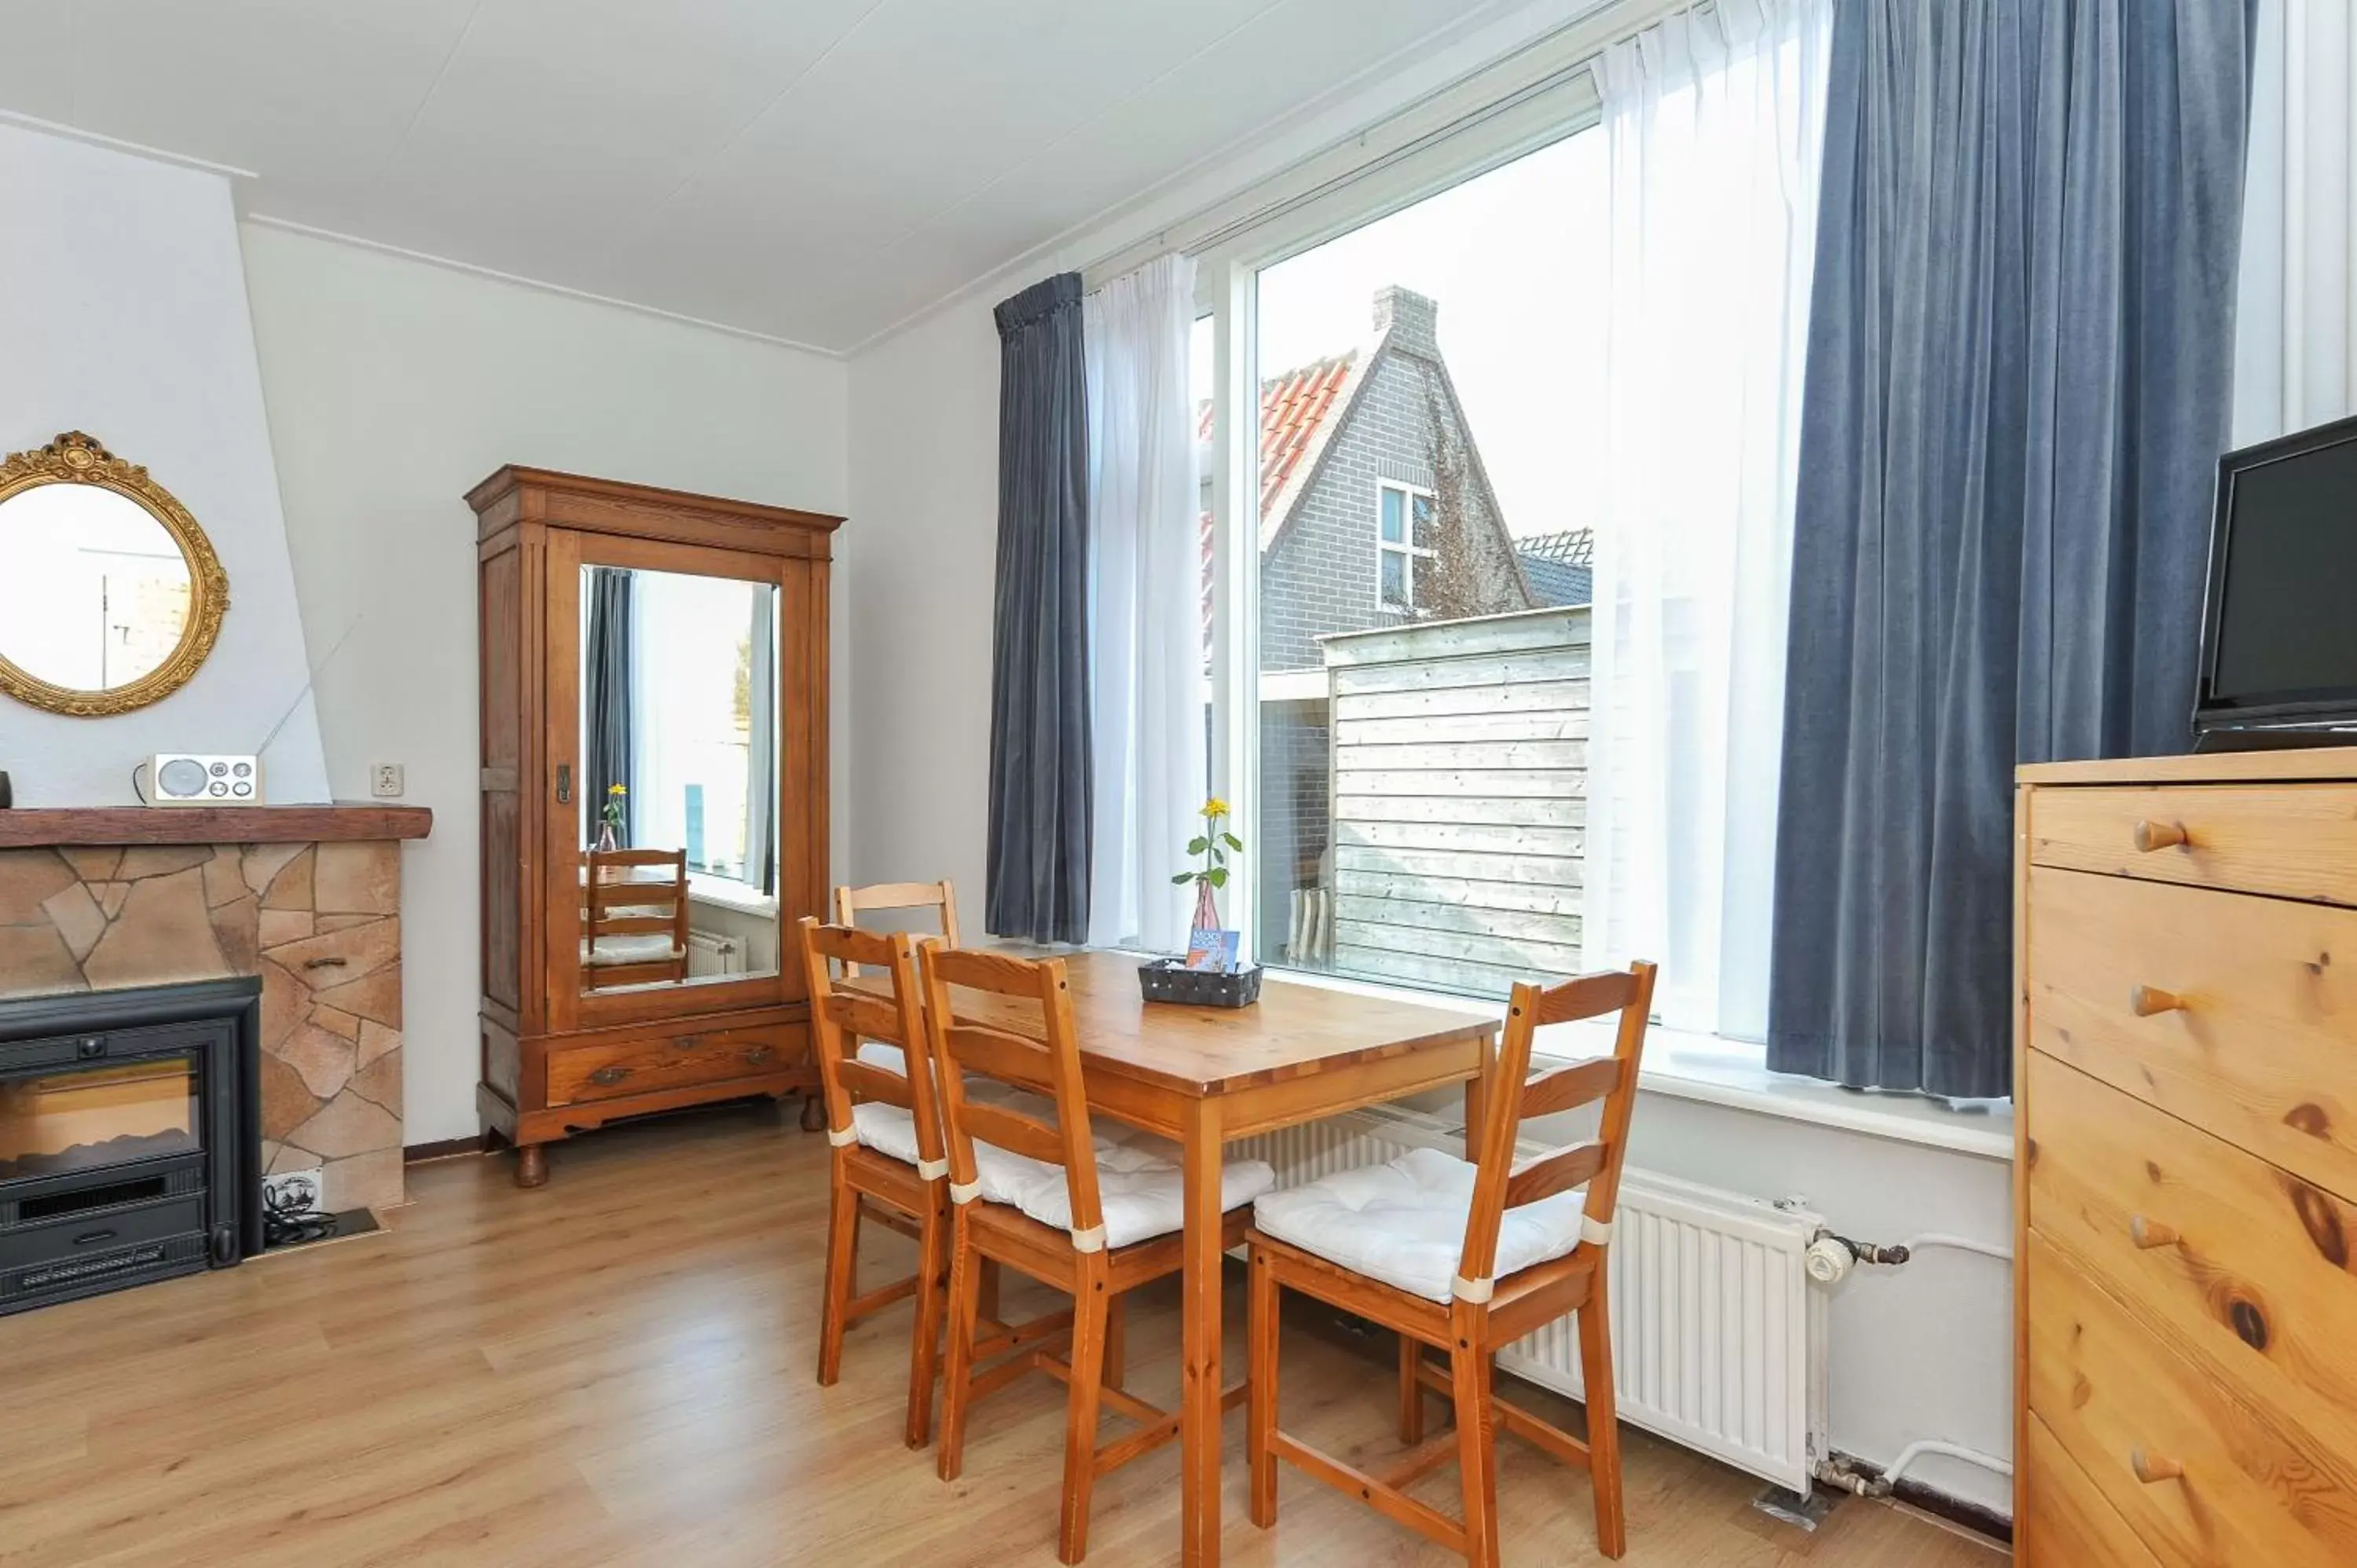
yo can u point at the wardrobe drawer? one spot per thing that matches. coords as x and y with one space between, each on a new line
2290 841
2203 1473
2065 1523
2238 1015
2243 1263
611 1071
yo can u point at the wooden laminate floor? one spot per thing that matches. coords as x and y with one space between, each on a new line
617 1369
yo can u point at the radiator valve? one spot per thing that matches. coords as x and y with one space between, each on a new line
1830 1258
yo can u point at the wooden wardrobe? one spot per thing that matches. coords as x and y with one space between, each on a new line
673 645
2186 1101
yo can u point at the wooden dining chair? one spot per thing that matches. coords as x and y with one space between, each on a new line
941 898
881 1117
635 925
1531 1251
938 897
1031 1196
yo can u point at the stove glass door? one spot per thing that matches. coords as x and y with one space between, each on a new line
59 1120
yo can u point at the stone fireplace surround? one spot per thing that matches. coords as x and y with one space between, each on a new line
305 897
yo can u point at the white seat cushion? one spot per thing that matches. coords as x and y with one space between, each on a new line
1403 1222
1141 1188
650 947
1139 1176
886 1129
890 1130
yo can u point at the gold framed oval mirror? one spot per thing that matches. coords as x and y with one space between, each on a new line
111 595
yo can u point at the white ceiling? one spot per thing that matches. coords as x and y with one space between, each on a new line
816 170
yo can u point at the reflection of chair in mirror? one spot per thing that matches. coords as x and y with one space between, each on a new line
937 897
636 918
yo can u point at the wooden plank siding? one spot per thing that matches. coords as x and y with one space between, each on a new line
1460 782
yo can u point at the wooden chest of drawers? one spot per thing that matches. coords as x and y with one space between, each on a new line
2186 1085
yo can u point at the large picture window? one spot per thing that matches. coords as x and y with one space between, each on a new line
1506 433
1421 652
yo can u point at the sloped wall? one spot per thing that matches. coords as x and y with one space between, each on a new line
122 313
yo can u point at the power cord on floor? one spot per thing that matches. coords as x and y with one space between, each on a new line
289 1220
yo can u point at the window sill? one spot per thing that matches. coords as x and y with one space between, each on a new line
726 893
1683 1065
1982 1129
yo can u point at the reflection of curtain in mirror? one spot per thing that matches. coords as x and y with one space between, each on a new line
761 748
606 696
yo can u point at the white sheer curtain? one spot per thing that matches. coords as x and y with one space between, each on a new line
1715 118
2296 314
1146 633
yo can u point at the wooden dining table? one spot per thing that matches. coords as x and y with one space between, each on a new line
1202 1076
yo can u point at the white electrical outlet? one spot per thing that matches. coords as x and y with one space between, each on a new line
294 1190
386 781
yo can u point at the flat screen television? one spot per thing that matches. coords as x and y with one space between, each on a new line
2280 627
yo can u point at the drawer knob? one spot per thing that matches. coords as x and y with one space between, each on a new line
2152 1467
2150 1233
759 1055
2146 1001
2151 835
608 1077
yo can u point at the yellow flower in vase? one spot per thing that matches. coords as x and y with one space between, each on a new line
1213 844
610 817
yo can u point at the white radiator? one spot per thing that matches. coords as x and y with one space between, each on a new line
710 954
1718 1338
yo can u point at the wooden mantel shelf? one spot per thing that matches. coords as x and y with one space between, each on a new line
45 827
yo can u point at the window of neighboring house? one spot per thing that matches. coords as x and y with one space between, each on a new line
1403 537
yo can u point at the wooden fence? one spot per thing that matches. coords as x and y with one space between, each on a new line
1458 802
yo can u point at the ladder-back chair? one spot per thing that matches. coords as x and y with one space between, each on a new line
1551 1262
885 1129
938 897
1044 1213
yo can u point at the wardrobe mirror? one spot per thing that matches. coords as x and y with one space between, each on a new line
679 778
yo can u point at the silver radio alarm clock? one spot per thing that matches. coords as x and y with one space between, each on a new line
199 779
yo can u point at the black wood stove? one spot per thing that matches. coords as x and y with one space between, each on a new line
130 1137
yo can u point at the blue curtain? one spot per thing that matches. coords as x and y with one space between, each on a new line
606 697
2018 387
1038 873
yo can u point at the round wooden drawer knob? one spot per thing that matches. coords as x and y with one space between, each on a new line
2151 835
2147 1000
2152 1467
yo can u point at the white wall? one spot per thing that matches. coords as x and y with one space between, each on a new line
394 386
924 485
123 314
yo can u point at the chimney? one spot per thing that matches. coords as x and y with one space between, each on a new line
1410 318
